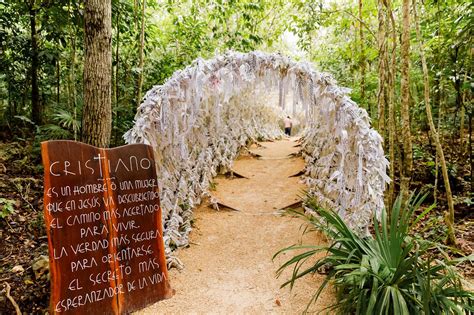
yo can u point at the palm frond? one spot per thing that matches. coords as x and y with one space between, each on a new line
391 272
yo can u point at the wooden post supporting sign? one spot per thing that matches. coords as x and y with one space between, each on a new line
103 220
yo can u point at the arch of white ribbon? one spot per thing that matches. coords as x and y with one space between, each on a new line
200 118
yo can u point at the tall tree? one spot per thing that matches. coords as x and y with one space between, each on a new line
72 68
434 133
463 113
140 64
392 69
97 110
36 106
407 158
362 59
382 67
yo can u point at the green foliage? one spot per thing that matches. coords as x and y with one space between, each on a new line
178 32
53 132
64 125
67 120
7 207
392 272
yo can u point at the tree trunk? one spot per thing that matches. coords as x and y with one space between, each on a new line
117 61
461 124
97 110
58 81
11 102
471 160
36 107
135 13
362 61
72 101
140 65
439 101
382 66
461 129
457 86
449 217
116 86
72 82
407 158
72 72
438 129
392 69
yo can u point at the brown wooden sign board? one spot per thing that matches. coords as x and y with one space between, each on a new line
103 220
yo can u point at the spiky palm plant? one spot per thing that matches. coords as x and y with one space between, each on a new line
392 272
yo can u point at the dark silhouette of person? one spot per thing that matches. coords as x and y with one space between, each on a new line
288 125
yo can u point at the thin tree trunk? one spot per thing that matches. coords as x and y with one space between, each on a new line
457 86
72 81
117 60
392 69
117 89
382 69
135 13
72 73
58 81
9 98
11 102
461 129
36 106
362 60
471 160
126 98
438 129
97 110
140 65
463 113
440 100
407 159
68 91
72 103
449 218
437 94
24 96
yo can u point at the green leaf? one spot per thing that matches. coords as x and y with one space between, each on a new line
7 207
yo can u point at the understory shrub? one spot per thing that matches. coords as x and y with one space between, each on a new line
389 272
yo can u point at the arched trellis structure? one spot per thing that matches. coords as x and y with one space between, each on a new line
203 115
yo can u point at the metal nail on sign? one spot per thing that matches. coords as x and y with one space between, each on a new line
103 220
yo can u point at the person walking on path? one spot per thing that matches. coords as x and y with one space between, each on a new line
288 125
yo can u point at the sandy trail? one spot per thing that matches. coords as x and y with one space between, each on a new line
229 267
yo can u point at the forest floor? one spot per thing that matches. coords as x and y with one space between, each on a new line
23 242
228 267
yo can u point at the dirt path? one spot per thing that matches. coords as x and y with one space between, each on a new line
229 267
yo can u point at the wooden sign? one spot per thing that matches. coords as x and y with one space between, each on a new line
103 220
